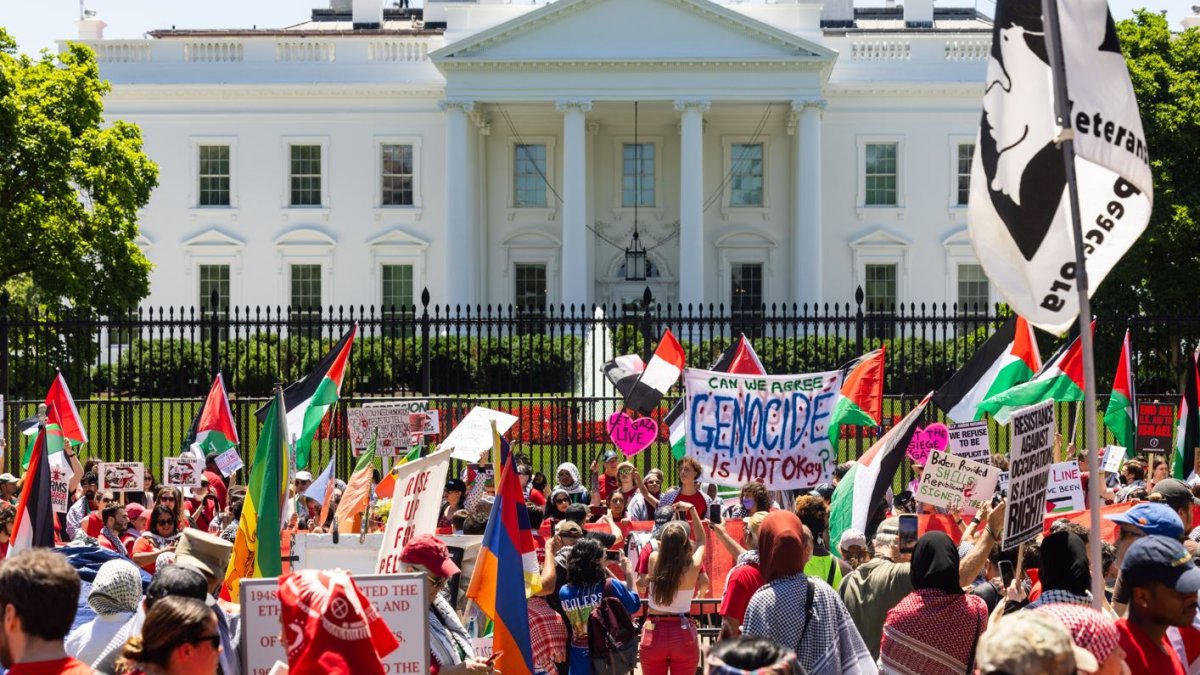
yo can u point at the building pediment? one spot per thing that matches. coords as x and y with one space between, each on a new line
531 239
745 239
305 238
880 238
397 238
957 240
577 33
213 240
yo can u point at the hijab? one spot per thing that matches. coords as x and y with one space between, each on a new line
552 508
576 487
935 563
117 588
1064 564
781 547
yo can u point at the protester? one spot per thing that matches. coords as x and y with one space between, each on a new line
233 516
1164 581
39 593
533 495
604 477
670 643
115 595
933 630
797 611
330 626
570 483
179 637
1178 497
8 488
209 555
138 521
813 511
587 584
547 629
449 644
1063 571
171 498
752 655
627 485
8 514
162 536
1158 473
203 505
853 549
1093 631
1030 642
84 504
116 522
744 578
688 491
216 482
1134 475
616 508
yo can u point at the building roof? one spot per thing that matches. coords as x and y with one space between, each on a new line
891 20
324 23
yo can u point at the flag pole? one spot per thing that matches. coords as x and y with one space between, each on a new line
1062 111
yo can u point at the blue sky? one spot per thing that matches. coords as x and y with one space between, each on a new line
36 24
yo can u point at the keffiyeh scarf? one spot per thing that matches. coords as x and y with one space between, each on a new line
915 635
448 639
116 589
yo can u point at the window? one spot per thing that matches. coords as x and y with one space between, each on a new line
746 287
972 288
529 176
966 155
881 174
637 174
213 278
880 290
305 175
120 328
530 291
397 292
305 298
397 175
746 175
213 175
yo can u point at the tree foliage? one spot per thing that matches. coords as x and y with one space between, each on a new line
71 185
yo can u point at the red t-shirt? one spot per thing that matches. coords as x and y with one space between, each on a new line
1143 656
217 485
741 584
537 498
608 485
67 666
697 500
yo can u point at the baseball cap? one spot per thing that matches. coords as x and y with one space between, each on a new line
1161 559
304 475
852 537
7 478
183 582
134 510
824 491
1151 518
609 455
568 527
1172 491
1031 642
456 485
663 515
431 552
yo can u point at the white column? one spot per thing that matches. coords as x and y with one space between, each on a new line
574 195
459 205
805 250
691 201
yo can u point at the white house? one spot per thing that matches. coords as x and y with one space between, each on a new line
770 151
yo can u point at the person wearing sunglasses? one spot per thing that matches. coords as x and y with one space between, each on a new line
161 536
450 647
179 637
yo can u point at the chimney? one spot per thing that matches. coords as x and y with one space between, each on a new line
90 28
837 14
367 13
918 13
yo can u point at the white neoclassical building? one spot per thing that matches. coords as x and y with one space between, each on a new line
495 151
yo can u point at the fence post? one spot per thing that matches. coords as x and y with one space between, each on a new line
214 338
858 320
426 376
3 348
647 337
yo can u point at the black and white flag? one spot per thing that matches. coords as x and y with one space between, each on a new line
1019 211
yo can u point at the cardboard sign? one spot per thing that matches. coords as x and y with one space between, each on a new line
122 476
473 435
399 598
229 461
1064 491
183 471
924 441
1155 427
60 497
415 506
971 441
391 421
768 428
1029 468
950 480
1114 457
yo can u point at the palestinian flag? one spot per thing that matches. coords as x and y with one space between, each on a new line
858 497
59 398
861 400
1008 358
357 495
660 374
1118 417
33 525
1060 380
212 430
1187 427
310 398
739 358
256 549
387 484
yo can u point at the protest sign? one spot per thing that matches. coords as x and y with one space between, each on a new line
924 441
400 600
768 428
122 476
59 494
415 505
1002 483
425 423
229 461
1064 491
183 471
1029 468
1155 427
391 421
473 435
1113 458
971 441
950 480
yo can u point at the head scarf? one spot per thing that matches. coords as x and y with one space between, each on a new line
551 509
117 588
1089 628
574 488
330 626
781 545
935 563
1064 564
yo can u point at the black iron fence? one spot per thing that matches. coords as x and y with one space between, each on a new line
139 378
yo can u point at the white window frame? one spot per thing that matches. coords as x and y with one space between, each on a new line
620 211
305 247
727 159
213 247
536 248
286 143
418 205
861 169
881 247
956 210
958 251
194 183
551 207
397 247
744 246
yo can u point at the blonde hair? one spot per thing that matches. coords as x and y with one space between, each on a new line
172 622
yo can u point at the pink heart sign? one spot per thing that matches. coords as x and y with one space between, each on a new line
631 436
924 441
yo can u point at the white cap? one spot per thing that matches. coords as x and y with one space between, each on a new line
304 475
852 537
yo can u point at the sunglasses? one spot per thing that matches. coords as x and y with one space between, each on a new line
214 640
164 522
166 498
562 501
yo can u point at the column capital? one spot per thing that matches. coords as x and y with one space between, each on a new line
583 105
456 104
814 103
684 104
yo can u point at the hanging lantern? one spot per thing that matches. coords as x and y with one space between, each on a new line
635 260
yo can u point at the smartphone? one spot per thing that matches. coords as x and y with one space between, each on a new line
598 511
714 513
613 556
492 659
1006 572
909 524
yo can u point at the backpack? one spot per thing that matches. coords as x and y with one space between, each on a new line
612 636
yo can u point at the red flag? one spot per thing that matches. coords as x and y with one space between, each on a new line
59 398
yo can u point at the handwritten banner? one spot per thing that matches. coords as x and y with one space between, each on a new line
473 435
1064 491
415 505
1029 468
768 428
924 441
971 441
950 480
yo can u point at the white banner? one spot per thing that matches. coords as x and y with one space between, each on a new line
1030 458
951 480
183 471
971 441
473 435
1113 457
121 476
768 428
391 421
60 497
229 461
1064 491
415 506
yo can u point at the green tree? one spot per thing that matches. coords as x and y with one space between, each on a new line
71 185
